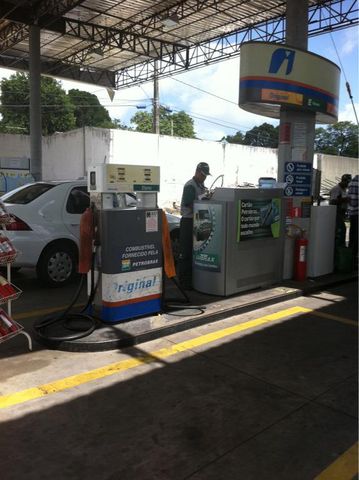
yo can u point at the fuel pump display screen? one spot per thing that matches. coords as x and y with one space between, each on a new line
110 177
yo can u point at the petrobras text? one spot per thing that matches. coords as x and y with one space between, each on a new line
130 285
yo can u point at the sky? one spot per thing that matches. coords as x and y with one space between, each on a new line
215 118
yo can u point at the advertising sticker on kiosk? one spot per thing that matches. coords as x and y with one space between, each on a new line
258 219
207 238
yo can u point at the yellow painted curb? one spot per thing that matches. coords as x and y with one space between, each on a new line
345 467
82 378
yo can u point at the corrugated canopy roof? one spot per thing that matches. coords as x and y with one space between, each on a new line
114 43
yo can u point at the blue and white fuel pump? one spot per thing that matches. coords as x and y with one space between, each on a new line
128 264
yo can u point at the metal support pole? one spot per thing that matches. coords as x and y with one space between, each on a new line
84 149
35 104
156 101
301 125
297 23
296 138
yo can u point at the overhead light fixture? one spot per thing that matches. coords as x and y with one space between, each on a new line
170 21
97 52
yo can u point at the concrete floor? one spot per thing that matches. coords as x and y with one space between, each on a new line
274 400
37 302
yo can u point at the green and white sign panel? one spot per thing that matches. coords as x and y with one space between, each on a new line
258 219
207 239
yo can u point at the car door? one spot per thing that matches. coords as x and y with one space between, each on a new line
75 204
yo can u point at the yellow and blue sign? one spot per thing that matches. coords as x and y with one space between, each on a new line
273 75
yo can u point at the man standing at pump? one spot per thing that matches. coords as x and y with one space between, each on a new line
353 191
193 190
338 197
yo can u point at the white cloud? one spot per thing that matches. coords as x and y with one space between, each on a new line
347 113
349 42
221 116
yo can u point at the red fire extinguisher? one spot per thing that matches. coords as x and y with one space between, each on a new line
300 257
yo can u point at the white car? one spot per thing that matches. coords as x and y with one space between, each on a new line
46 229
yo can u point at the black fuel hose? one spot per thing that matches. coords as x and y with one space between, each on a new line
67 319
172 305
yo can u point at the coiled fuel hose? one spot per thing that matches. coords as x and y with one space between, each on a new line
80 324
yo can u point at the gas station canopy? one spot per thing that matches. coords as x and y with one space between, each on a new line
119 43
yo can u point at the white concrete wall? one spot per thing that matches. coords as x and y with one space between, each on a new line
14 145
67 156
333 167
97 146
62 156
178 158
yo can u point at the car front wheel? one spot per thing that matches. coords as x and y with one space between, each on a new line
57 264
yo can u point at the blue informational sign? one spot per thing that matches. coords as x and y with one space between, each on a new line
296 191
291 179
298 177
298 167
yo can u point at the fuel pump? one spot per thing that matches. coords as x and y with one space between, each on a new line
128 229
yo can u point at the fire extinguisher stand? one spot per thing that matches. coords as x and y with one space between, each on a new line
300 257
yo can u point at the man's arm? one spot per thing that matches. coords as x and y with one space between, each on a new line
336 196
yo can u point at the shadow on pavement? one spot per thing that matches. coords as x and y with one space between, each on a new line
275 403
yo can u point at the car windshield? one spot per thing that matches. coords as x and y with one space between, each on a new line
27 194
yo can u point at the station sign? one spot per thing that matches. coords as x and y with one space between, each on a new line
273 75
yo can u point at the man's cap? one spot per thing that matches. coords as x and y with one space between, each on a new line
346 177
204 168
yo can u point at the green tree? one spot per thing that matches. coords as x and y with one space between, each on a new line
338 139
183 125
266 135
57 111
117 123
88 111
142 122
180 123
236 138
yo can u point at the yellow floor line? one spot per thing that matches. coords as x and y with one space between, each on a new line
346 321
79 379
344 468
41 312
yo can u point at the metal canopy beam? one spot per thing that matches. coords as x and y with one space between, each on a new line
47 15
323 18
28 16
102 78
172 57
182 10
127 41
